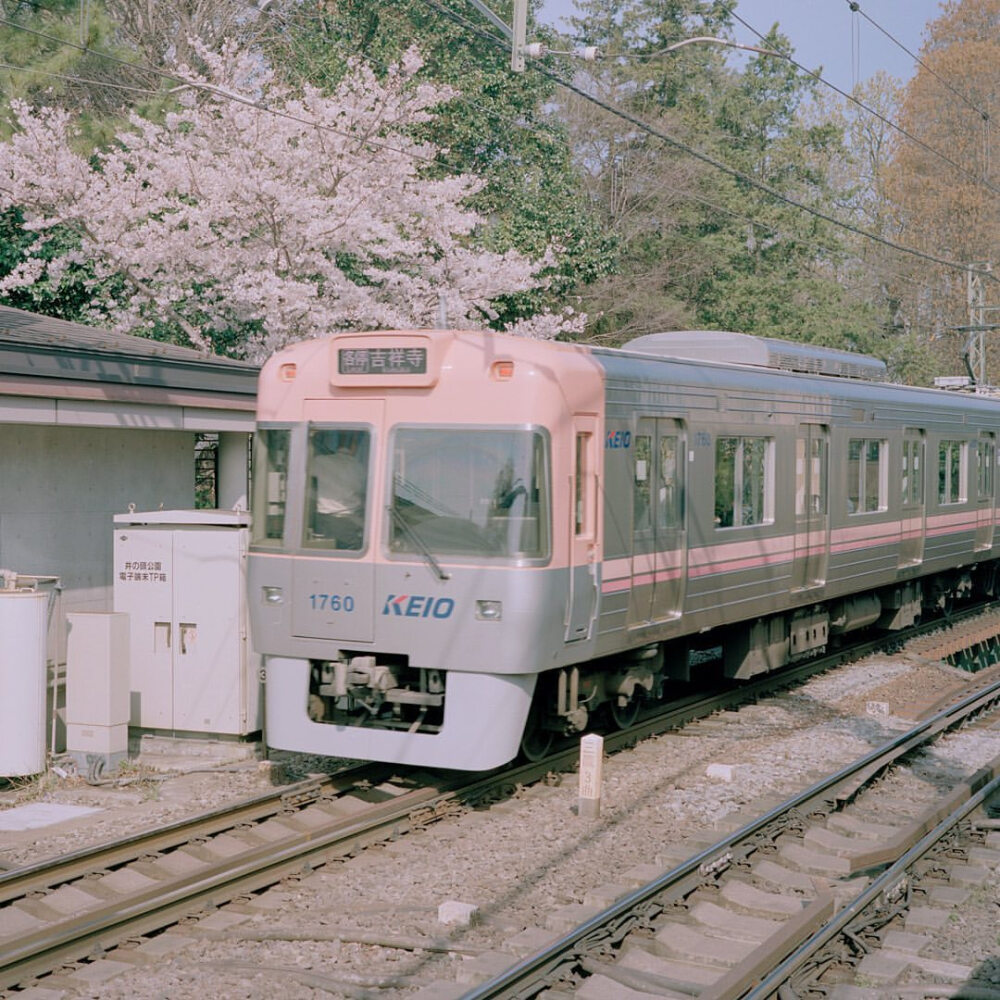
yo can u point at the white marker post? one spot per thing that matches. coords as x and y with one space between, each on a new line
591 775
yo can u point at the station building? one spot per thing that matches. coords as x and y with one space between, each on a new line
93 424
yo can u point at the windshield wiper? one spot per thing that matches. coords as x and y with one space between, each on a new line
417 541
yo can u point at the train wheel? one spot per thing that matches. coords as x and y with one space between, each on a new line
537 740
625 715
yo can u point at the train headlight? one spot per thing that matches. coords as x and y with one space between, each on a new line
272 595
489 611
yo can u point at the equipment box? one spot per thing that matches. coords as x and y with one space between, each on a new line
180 575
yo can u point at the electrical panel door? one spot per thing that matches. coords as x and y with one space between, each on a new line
143 589
209 631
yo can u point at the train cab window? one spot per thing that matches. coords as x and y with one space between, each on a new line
867 475
470 493
337 487
952 471
744 481
912 478
985 464
270 484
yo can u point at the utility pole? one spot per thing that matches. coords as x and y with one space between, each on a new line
517 41
975 345
516 33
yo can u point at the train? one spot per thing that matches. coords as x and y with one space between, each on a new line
466 544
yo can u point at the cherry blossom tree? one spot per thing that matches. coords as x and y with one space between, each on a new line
250 217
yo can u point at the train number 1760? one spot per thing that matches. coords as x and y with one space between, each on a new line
331 602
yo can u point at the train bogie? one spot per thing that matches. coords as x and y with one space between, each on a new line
464 541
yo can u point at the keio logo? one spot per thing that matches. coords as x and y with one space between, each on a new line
418 606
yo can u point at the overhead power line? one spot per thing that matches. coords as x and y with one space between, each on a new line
856 8
768 229
79 79
228 95
700 155
974 178
540 50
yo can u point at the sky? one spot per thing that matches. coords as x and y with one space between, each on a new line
826 33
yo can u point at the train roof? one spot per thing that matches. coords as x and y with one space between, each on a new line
763 352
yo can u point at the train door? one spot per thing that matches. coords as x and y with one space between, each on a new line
812 450
334 577
659 542
914 511
583 543
985 478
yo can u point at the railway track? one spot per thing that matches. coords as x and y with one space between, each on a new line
85 904
799 897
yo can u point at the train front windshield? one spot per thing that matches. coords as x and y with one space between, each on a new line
470 493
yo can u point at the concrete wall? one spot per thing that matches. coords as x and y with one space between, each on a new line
61 486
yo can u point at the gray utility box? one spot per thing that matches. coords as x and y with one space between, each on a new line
180 575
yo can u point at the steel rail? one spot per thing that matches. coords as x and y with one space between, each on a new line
986 780
18 882
683 878
214 883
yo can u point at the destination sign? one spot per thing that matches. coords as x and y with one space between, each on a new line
382 361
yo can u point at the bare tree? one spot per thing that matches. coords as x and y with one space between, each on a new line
163 30
944 186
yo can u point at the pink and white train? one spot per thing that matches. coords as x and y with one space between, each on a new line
466 543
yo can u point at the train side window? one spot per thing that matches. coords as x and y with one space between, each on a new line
583 490
912 480
985 464
744 481
952 471
270 484
867 476
810 472
642 462
668 500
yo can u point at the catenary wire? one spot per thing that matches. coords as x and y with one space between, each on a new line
79 79
555 77
895 126
705 157
856 8
767 228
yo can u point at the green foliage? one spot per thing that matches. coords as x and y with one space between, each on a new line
68 299
496 127
700 246
63 55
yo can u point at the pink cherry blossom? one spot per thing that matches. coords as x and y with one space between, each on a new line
297 215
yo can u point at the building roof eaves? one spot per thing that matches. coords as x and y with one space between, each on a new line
43 347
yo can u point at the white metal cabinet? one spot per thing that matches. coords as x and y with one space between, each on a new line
180 576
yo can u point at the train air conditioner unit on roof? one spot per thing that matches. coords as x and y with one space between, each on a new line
763 352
